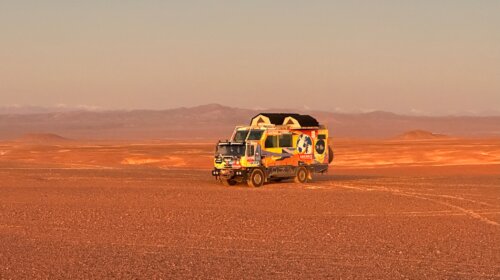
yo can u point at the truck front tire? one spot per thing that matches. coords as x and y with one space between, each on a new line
256 178
301 176
228 182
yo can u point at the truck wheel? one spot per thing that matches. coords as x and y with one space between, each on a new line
228 182
256 179
301 176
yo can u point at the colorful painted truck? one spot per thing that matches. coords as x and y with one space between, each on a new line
273 147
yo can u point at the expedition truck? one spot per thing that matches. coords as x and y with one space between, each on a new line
273 147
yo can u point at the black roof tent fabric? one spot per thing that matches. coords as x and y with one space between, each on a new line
279 118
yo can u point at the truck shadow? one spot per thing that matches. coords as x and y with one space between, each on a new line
341 177
322 178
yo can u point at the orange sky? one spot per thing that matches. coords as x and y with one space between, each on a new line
430 57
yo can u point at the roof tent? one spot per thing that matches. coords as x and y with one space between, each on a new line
294 120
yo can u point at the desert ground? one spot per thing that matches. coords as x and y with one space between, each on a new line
426 209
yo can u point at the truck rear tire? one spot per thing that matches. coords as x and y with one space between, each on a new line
301 176
330 155
256 178
228 182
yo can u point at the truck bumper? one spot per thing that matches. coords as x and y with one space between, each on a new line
229 173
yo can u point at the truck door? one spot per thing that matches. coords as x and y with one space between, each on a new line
254 153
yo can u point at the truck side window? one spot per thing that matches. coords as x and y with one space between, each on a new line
285 141
272 141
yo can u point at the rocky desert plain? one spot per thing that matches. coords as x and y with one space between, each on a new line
403 204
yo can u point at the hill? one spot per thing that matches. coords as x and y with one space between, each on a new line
215 121
42 138
420 135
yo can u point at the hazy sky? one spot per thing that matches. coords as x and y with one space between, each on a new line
432 56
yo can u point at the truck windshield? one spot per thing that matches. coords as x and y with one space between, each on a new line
255 134
230 150
240 136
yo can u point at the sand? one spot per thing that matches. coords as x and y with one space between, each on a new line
386 209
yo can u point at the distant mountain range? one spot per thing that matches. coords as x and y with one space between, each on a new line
216 121
26 110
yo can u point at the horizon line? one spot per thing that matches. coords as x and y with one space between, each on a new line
64 108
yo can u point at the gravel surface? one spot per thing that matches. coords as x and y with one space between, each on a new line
176 224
